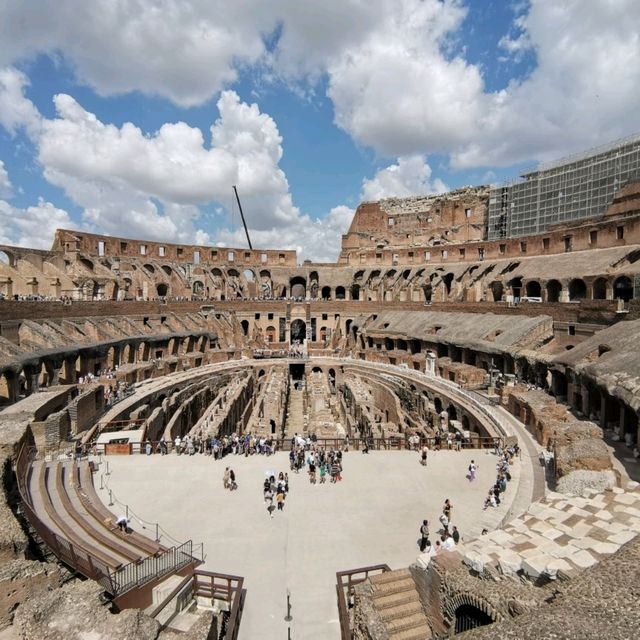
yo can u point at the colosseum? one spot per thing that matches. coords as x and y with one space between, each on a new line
162 403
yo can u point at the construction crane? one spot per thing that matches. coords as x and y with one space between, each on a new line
244 223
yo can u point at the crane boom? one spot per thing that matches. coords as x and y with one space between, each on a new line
244 222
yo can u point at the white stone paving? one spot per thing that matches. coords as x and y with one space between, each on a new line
371 517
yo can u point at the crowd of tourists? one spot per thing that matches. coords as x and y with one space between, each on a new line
503 476
275 490
448 535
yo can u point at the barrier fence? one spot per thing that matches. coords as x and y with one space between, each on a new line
129 576
285 444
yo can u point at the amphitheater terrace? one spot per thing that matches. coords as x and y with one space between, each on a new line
494 333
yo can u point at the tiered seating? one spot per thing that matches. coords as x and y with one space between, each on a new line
63 496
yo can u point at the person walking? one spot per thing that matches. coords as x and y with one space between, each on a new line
424 535
226 478
233 485
423 456
280 499
473 469
447 509
312 472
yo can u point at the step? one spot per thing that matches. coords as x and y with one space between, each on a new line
395 599
398 586
401 611
164 588
421 632
390 576
407 622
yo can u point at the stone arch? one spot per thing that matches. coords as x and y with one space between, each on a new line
497 290
623 288
326 293
447 280
245 327
452 412
198 288
112 357
298 287
554 290
355 291
249 276
271 334
600 289
87 263
162 289
516 286
472 608
437 403
577 289
167 269
8 258
150 268
533 289
341 293
298 330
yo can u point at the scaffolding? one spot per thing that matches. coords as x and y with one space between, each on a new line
582 186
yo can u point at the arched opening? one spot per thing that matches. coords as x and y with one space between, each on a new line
149 268
245 327
516 287
468 617
427 289
554 288
162 289
112 359
332 379
533 289
623 288
271 334
326 293
340 293
7 258
355 292
452 413
447 279
577 289
166 269
298 331
497 290
298 287
198 288
437 404
87 263
249 276
323 334
600 289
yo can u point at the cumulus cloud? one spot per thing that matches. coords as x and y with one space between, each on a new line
410 176
33 226
5 184
184 50
16 111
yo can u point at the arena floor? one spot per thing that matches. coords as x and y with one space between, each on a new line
371 517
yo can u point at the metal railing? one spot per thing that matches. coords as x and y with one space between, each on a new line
132 575
345 582
211 586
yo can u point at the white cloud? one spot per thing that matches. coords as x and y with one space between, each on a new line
185 50
409 177
16 111
6 189
33 226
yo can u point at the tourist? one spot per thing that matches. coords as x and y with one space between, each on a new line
312 472
163 446
123 523
225 478
423 456
455 534
147 448
444 521
448 543
233 485
447 508
472 471
280 499
424 535
323 472
268 500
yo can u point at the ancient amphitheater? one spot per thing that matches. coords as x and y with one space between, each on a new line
499 325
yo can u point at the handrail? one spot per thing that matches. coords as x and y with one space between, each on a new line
343 608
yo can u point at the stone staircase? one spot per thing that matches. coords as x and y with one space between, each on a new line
397 603
295 422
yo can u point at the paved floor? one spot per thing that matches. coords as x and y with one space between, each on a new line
371 517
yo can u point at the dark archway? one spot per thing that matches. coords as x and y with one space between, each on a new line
533 289
245 327
340 293
623 288
326 293
298 330
298 287
468 617
600 289
577 289
554 288
497 290
355 292
162 289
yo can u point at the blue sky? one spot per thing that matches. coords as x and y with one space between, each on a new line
314 108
